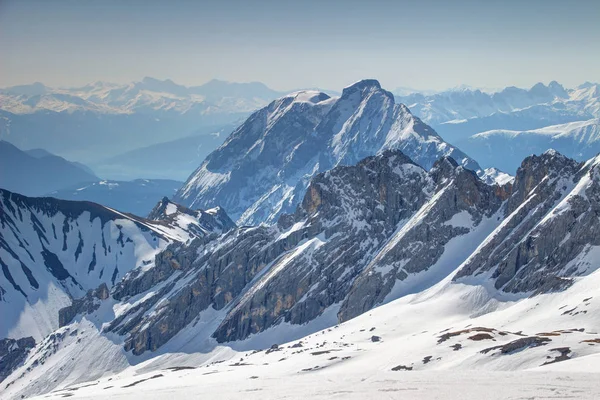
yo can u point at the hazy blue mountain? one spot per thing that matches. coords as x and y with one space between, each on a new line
33 89
40 153
35 175
175 159
137 197
459 113
534 117
501 128
216 89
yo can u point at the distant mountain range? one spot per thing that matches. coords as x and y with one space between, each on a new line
137 197
112 126
174 159
102 120
148 95
38 172
504 148
461 116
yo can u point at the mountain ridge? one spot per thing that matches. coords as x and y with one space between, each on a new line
299 135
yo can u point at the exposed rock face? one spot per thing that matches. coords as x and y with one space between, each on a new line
550 220
343 240
368 233
362 235
264 168
12 354
420 243
87 305
195 223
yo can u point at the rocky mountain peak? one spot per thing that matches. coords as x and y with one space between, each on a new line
159 211
365 88
264 167
362 85
539 170
558 90
444 169
199 222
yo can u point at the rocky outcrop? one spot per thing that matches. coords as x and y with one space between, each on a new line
420 243
12 354
323 254
87 305
361 236
198 223
363 231
551 219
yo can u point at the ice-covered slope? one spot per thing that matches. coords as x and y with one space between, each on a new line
579 140
53 251
264 167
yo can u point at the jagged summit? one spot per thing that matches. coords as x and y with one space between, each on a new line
308 96
200 222
263 168
363 84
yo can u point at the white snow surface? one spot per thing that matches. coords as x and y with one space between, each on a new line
344 360
90 251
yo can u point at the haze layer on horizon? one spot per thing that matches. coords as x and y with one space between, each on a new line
425 45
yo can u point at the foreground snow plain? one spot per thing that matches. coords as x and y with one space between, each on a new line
451 341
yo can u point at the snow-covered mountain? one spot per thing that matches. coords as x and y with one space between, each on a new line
54 251
148 95
579 140
471 276
465 107
115 118
264 167
500 128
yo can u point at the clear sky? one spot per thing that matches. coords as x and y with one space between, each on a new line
294 44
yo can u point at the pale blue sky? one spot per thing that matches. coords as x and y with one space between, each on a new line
292 44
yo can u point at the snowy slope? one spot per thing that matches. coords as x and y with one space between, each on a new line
384 270
440 343
579 140
264 167
53 251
